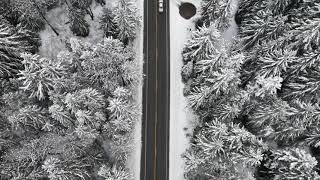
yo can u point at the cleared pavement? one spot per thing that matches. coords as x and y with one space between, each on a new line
155 122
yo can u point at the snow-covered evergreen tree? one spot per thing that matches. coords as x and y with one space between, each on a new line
293 163
218 11
13 41
127 20
266 82
108 24
114 173
224 151
69 116
31 13
78 25
63 111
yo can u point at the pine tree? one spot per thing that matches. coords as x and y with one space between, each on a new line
40 75
110 64
14 40
32 13
114 173
281 6
87 107
58 169
275 96
7 11
246 8
127 20
77 116
30 116
218 11
292 164
267 82
84 5
249 7
107 23
50 156
187 71
307 35
78 25
28 14
58 115
215 70
223 150
202 44
81 4
261 27
303 86
124 113
276 63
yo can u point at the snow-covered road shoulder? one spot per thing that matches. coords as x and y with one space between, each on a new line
134 160
180 116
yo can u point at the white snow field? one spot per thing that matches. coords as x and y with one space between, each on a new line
180 116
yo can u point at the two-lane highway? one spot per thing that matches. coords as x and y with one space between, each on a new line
155 122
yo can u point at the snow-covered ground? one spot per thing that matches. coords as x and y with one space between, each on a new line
51 44
180 116
135 158
232 31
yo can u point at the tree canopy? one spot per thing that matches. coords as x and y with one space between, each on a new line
261 90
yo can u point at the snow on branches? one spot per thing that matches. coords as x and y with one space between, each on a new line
264 88
83 95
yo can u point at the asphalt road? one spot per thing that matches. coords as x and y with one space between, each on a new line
155 122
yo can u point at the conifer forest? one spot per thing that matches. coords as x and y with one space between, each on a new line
69 90
256 97
70 116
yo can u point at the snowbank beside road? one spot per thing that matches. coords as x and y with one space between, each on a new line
134 160
180 116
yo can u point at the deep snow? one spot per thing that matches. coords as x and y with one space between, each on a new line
180 116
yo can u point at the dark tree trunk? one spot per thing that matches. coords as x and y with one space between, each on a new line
53 29
45 19
101 2
89 11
